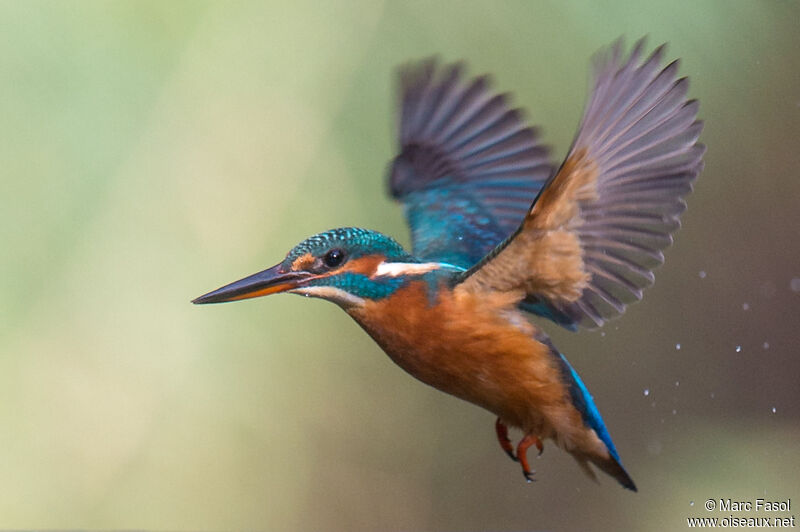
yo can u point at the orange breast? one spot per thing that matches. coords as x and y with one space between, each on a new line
477 347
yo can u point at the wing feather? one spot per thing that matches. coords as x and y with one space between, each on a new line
468 166
589 242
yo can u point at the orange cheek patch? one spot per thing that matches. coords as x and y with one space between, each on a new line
364 265
302 262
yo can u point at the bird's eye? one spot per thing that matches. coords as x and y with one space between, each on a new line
333 258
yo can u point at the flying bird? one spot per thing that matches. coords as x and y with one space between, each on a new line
498 233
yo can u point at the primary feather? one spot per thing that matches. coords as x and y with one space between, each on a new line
587 247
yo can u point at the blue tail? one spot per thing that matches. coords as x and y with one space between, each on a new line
583 402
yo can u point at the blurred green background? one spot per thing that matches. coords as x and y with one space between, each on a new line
152 151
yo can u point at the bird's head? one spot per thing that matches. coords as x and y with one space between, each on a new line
347 266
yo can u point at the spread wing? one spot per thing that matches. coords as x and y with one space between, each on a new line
588 245
468 166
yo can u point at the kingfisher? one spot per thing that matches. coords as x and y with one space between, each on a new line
499 234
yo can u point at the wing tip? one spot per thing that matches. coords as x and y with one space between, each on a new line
452 124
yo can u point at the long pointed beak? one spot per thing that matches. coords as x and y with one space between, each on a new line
271 281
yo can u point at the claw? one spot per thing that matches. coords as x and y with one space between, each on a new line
502 437
522 454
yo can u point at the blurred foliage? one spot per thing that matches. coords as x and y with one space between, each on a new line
155 150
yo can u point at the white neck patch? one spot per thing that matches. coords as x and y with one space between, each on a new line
396 269
331 293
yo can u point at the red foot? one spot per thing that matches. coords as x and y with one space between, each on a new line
522 450
502 437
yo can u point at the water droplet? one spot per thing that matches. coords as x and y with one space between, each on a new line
766 345
677 383
691 503
702 274
774 409
646 392
795 284
738 349
745 306
677 347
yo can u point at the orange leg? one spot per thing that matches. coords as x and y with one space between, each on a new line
522 454
502 437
